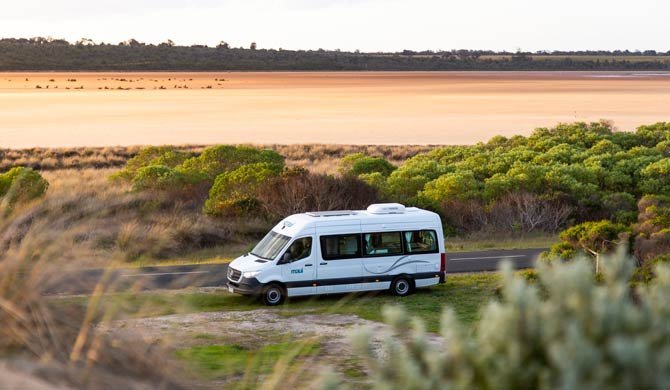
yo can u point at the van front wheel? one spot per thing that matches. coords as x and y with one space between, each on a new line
273 295
401 286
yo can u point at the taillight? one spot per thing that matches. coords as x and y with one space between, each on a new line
443 262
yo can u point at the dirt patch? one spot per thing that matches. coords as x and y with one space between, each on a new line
248 327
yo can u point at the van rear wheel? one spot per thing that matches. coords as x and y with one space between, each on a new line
401 286
273 295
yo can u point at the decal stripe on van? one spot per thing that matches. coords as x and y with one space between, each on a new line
361 279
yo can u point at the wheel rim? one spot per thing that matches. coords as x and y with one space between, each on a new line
273 295
401 286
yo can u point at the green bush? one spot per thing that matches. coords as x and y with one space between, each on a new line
656 178
225 158
157 178
359 163
168 156
235 192
21 184
574 333
590 238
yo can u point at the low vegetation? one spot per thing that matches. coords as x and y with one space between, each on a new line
563 331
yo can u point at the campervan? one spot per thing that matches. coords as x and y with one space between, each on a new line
386 247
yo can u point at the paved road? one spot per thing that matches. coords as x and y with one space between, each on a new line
212 275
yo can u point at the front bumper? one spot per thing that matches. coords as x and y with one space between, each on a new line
245 286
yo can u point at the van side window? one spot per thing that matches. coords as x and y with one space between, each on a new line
344 246
382 244
300 249
422 241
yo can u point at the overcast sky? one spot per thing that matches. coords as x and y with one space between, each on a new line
368 25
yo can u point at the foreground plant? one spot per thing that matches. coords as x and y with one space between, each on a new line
566 331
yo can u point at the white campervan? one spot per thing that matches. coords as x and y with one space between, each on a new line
387 246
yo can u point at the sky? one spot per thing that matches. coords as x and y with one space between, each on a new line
367 25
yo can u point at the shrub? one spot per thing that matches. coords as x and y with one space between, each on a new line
157 178
235 192
167 156
20 185
591 238
574 333
224 158
456 186
359 163
656 177
299 191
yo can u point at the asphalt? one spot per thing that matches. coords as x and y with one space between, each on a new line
213 275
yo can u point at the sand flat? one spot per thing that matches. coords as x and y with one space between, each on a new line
103 109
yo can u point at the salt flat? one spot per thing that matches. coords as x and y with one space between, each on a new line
103 109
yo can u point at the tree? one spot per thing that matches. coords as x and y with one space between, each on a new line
252 46
223 45
593 238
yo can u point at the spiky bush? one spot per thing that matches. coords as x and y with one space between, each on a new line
563 331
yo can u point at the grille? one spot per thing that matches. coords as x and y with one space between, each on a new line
234 275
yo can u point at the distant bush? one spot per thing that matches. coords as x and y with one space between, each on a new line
21 184
167 156
359 163
216 160
573 333
168 169
235 192
157 178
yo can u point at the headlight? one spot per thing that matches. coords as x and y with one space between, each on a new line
250 274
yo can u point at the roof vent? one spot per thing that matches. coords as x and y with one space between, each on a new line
386 208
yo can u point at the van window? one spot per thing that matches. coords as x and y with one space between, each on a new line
382 244
270 246
422 241
344 246
300 249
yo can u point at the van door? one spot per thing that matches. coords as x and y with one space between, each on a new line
298 266
340 265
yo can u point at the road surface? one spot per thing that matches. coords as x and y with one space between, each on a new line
212 275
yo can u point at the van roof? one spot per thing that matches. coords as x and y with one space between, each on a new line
373 215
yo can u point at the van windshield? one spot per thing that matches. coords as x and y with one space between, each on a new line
270 246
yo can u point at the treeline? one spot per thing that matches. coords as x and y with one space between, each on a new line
46 54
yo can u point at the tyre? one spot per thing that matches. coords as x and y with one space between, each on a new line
401 286
273 295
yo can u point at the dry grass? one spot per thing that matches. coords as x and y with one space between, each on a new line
318 158
60 345
97 222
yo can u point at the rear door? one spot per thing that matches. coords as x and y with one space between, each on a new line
298 266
